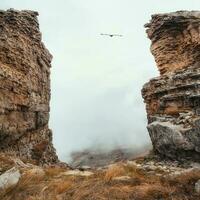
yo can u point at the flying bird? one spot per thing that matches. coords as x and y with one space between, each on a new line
111 35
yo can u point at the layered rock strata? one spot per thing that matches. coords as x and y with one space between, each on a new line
24 88
173 99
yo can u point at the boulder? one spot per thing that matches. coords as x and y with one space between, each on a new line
197 187
9 178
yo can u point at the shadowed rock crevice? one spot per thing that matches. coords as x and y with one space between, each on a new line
24 88
173 99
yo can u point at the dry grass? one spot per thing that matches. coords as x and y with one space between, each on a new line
5 163
189 177
49 184
53 171
60 186
114 171
149 191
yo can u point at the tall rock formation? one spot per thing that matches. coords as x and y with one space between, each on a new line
24 88
173 99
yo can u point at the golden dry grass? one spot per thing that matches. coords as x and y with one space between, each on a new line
114 171
54 171
60 186
52 185
5 162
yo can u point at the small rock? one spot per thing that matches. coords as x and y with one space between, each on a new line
197 187
77 173
122 178
9 178
195 165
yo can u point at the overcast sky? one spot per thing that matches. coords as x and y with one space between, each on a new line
96 80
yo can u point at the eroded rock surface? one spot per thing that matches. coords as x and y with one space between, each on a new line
24 88
173 99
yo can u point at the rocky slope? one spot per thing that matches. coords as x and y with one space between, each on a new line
24 88
141 179
173 99
97 158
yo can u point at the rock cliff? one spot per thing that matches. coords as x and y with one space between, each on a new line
173 99
24 88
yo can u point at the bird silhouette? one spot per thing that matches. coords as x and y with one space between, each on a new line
111 35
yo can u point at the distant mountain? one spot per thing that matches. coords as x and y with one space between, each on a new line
99 158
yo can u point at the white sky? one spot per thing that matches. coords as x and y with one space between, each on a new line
96 81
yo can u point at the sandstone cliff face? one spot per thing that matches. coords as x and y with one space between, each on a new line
24 88
173 99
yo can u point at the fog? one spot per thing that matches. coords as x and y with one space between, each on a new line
96 80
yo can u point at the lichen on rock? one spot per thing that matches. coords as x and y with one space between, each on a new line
173 99
24 88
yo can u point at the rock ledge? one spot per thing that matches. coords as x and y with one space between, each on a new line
173 99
